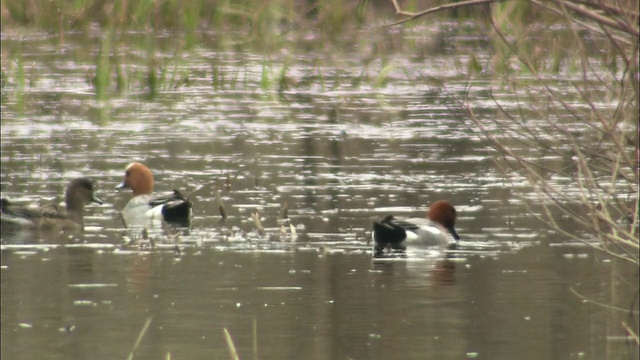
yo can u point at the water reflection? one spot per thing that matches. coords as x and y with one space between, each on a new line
339 156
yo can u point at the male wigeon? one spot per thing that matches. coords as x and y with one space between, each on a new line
80 192
438 229
143 208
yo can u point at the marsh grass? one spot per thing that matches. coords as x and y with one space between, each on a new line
602 160
20 85
231 346
233 353
141 335
283 80
103 68
255 338
265 77
61 15
217 75
133 55
14 81
320 77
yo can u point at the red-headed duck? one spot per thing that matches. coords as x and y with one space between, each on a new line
144 208
80 192
437 229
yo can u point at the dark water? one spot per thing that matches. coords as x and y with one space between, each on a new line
77 302
339 152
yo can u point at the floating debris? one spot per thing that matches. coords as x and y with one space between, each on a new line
259 227
221 207
285 210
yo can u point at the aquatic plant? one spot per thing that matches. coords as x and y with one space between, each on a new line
233 353
103 68
597 139
20 85
128 56
265 81
59 15
141 335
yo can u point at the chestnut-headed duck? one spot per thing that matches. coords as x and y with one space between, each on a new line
144 209
79 193
437 229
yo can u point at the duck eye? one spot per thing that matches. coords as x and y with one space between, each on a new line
127 173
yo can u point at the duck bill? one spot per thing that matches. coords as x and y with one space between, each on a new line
122 185
454 233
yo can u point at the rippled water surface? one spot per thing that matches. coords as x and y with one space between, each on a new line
339 152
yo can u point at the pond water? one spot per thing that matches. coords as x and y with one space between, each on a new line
340 149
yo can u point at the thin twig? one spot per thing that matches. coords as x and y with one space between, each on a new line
412 16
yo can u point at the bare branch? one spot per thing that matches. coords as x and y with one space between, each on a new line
412 16
601 19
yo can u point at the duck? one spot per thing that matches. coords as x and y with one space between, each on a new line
80 192
436 230
144 208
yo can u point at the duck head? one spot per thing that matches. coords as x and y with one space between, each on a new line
444 214
80 191
138 178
